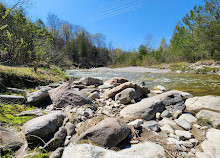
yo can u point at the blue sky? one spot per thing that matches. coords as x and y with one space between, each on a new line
124 22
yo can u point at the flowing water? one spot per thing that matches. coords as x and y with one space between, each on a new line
196 84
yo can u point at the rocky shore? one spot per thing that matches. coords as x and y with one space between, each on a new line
113 119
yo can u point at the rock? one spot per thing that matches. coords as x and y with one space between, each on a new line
91 81
167 121
174 136
183 134
158 115
213 136
188 117
43 126
212 117
16 90
127 95
196 104
201 155
136 123
143 150
187 144
88 91
34 112
70 128
105 87
159 87
157 91
56 93
57 153
57 140
174 141
12 99
211 149
8 140
112 92
166 113
116 81
94 95
177 113
147 108
107 133
184 124
78 86
39 97
151 125
167 129
195 142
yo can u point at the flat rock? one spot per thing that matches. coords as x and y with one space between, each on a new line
167 129
136 123
57 153
201 155
107 133
90 81
184 124
151 125
127 95
188 117
12 99
183 134
213 150
213 136
116 81
147 108
213 117
94 95
34 112
168 121
196 104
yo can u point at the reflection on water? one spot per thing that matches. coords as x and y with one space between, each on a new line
196 84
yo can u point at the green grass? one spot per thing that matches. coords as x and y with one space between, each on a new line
8 115
52 74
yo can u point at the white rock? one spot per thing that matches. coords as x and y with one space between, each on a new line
167 128
201 155
183 123
183 134
213 150
162 88
188 117
167 121
213 117
213 136
136 123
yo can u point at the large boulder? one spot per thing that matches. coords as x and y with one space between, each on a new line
116 81
143 150
127 95
39 97
147 108
91 81
12 99
8 140
212 117
107 133
43 126
112 92
203 103
56 93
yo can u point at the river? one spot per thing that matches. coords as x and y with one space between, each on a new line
196 84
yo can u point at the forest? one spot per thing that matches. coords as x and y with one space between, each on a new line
24 42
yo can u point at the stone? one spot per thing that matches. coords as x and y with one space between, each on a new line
107 133
187 144
167 129
116 81
112 92
39 97
9 140
174 136
127 95
159 87
143 150
195 142
166 113
151 125
56 93
57 140
196 104
94 95
16 90
201 155
213 136
211 149
212 117
136 123
147 108
57 153
165 121
105 87
188 117
43 126
12 99
177 113
70 128
174 141
158 115
184 124
90 81
157 91
88 91
34 112
183 134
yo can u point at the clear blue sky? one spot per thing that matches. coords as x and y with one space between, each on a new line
124 22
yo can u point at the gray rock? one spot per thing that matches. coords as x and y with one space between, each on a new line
107 133
116 81
184 124
165 121
38 97
16 90
58 92
166 113
213 117
8 140
143 150
43 126
188 117
167 129
12 99
70 128
34 112
147 108
88 91
105 87
196 104
213 136
127 95
91 81
94 95
57 153
136 123
57 140
177 113
183 134
152 125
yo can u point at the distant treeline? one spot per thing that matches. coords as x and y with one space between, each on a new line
196 37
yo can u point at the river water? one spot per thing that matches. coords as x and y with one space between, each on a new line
196 84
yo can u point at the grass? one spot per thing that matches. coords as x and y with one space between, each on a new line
204 122
52 74
8 115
